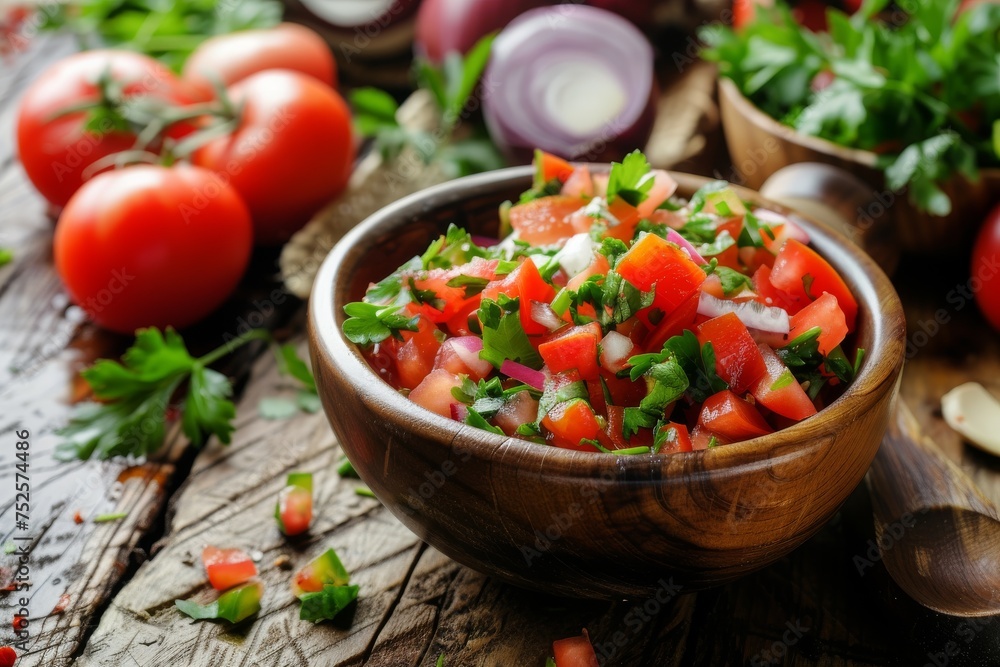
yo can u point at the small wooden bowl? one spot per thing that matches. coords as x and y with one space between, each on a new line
759 146
587 524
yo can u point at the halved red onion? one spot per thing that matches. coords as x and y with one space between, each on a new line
615 351
455 25
543 314
522 373
360 29
753 314
467 348
675 237
573 80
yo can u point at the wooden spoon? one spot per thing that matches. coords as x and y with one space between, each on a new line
938 535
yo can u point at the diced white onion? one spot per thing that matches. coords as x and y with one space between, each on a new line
753 314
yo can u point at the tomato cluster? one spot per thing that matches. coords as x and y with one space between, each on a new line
240 150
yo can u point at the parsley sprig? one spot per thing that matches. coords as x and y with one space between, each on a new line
923 93
129 417
813 370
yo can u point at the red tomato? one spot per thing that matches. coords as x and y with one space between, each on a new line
521 408
56 149
653 261
525 283
985 257
415 356
737 359
627 217
227 567
574 349
616 432
824 313
731 417
678 439
801 273
579 184
674 324
295 510
598 267
546 220
779 391
434 391
769 295
151 246
235 56
291 154
571 422
575 652
549 167
8 656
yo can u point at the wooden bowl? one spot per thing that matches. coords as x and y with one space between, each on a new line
587 524
759 146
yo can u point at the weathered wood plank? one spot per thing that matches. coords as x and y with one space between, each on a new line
228 500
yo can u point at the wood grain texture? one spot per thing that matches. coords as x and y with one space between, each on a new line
546 517
760 146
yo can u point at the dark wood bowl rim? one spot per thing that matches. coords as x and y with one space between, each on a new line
881 365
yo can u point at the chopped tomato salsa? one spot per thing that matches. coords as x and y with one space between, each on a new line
617 317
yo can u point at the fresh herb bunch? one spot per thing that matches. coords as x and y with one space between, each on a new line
459 151
156 375
924 94
168 30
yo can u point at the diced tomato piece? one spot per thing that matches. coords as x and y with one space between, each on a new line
545 220
434 392
227 567
701 437
652 260
616 432
663 187
455 358
575 652
627 217
570 422
549 166
295 509
756 258
415 356
453 299
769 295
678 439
674 325
826 314
737 359
576 348
596 396
580 184
324 570
804 275
599 267
731 417
623 391
527 284
779 391
458 325
519 409
713 286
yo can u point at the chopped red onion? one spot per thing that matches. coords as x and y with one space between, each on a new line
753 314
467 348
675 237
573 80
484 241
522 373
543 314
615 351
459 411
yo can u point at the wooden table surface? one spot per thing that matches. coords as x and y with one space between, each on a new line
102 594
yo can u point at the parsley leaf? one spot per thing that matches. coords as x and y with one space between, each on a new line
503 335
369 323
630 179
326 604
